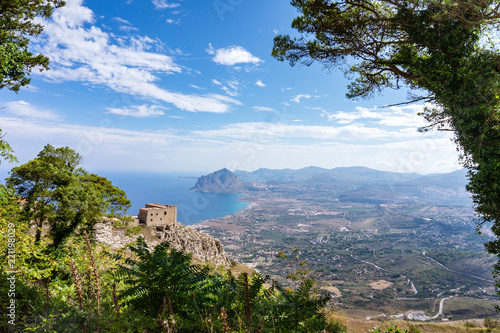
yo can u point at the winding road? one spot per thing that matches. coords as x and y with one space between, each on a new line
441 305
454 271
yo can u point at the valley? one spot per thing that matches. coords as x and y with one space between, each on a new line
388 250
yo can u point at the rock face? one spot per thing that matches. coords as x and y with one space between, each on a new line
116 238
222 181
189 240
203 247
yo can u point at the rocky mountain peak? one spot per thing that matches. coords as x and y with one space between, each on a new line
222 181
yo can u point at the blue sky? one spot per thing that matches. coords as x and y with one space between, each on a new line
158 85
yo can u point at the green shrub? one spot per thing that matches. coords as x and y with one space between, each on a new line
490 323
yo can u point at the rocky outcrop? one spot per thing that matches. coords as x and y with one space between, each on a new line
204 248
116 238
222 181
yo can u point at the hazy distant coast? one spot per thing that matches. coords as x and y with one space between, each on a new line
247 210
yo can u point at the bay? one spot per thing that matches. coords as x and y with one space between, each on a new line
173 189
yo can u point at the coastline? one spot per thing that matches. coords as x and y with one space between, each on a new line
173 189
203 224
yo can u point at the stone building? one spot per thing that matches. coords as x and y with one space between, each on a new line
158 215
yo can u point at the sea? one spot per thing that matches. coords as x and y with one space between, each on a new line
173 189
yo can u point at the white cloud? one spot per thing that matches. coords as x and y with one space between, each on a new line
404 116
262 108
280 131
73 15
297 98
103 147
125 25
210 49
80 135
231 87
349 117
119 19
25 109
172 21
89 55
232 55
138 111
260 84
163 4
30 88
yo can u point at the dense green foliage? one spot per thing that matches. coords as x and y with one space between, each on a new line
6 151
17 24
391 328
159 283
438 48
64 196
81 288
174 295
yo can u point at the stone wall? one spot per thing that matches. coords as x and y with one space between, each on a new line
157 215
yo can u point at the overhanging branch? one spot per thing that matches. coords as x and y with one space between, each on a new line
403 74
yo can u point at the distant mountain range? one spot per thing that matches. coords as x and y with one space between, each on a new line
352 175
440 189
357 184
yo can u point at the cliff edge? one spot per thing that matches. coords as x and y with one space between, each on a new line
189 240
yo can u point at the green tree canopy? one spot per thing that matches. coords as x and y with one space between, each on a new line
386 43
6 151
67 197
17 24
437 47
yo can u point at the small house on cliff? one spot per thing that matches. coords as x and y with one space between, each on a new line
157 215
